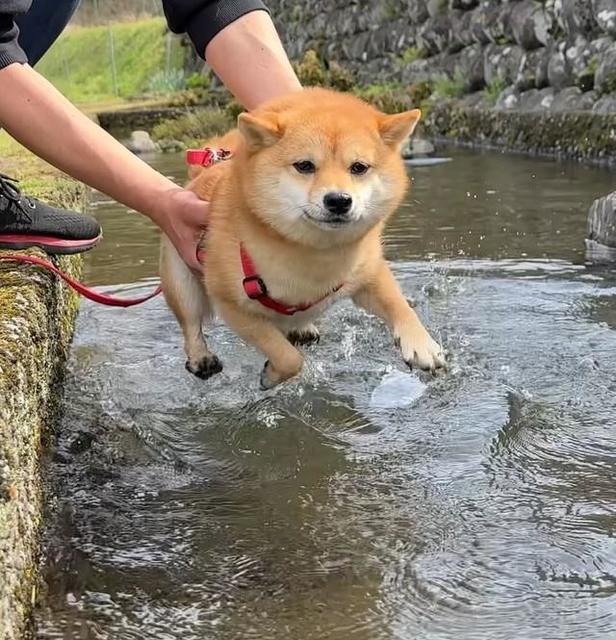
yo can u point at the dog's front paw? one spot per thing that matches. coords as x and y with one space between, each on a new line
419 350
272 376
268 378
304 336
206 367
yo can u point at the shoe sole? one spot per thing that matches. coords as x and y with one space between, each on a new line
49 244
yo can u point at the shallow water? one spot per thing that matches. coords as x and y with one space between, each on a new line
360 501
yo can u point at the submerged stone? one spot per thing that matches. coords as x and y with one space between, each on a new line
602 221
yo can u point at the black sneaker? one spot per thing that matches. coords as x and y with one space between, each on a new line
27 222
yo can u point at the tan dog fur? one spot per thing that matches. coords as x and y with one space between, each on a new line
260 199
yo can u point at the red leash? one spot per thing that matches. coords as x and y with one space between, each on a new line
255 289
204 157
86 292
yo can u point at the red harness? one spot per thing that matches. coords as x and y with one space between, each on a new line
206 157
255 289
253 284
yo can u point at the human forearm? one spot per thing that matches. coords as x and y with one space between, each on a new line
39 117
239 41
249 58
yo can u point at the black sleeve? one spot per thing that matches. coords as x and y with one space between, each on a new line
10 51
203 19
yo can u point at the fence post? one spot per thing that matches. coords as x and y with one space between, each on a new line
64 59
114 74
168 54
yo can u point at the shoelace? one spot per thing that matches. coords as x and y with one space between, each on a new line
10 191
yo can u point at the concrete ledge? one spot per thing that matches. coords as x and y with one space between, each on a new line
36 325
121 121
581 135
126 120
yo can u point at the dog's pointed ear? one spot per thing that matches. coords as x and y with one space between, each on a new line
259 131
397 128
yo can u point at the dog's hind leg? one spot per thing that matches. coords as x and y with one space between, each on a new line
186 296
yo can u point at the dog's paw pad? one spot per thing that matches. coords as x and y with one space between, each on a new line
206 368
285 370
265 380
305 336
427 361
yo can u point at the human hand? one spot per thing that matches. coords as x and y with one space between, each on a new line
182 218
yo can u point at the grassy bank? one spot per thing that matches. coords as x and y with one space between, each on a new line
36 177
120 61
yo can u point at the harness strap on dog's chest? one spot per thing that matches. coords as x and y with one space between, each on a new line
255 289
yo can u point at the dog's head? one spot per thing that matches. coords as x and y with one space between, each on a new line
321 167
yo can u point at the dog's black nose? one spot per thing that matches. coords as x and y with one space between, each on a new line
338 202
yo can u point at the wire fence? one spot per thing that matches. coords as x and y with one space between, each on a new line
126 59
120 48
95 12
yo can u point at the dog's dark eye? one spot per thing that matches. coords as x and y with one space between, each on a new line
359 168
304 166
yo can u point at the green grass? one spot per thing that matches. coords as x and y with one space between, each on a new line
371 91
80 63
36 177
411 54
312 72
393 10
449 87
19 163
494 90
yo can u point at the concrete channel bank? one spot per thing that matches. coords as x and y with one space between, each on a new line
37 316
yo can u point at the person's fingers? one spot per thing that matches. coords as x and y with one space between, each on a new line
187 248
190 257
186 222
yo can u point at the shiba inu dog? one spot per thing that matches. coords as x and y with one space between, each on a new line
295 223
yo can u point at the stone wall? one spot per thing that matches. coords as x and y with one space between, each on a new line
524 55
36 326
